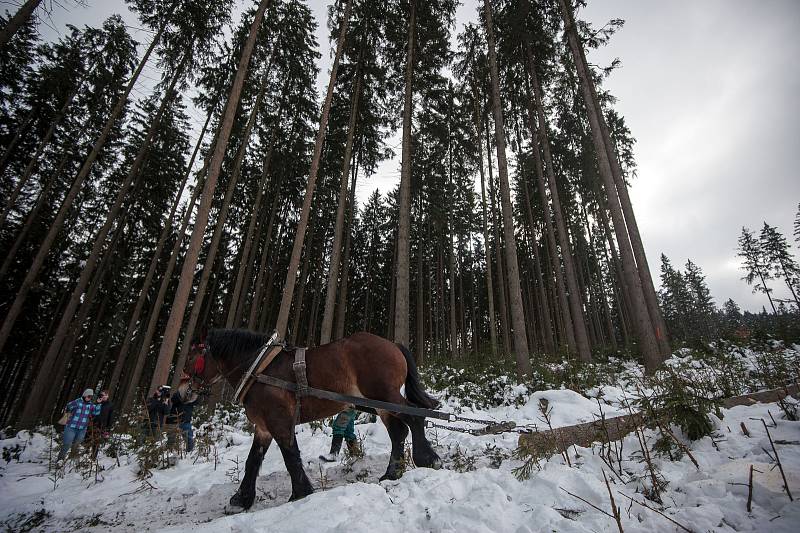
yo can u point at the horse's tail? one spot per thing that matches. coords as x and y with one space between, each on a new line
415 393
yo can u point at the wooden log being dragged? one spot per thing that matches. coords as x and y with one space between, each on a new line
547 442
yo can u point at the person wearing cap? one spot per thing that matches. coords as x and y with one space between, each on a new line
183 403
79 409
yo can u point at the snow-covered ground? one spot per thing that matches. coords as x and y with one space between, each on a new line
476 491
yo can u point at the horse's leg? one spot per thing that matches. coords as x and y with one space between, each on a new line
244 497
301 486
397 433
421 449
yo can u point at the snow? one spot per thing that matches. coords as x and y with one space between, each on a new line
476 491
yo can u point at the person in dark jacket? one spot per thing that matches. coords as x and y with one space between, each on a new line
183 403
101 424
157 409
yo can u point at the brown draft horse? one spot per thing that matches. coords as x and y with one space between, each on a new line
363 365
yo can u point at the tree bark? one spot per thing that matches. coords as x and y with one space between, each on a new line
302 224
515 291
208 265
341 303
235 311
401 267
501 277
181 299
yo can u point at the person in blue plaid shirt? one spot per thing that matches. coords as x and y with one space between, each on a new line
80 409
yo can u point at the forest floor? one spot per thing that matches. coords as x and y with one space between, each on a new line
477 489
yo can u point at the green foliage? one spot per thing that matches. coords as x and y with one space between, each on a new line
681 398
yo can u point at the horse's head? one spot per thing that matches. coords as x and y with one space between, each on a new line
201 370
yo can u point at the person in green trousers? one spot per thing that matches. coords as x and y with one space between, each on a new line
344 429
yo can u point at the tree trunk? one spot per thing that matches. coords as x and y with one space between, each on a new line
336 249
644 326
235 311
22 293
297 248
515 291
575 299
341 304
402 276
501 277
181 299
208 265
487 243
262 265
20 18
126 345
155 309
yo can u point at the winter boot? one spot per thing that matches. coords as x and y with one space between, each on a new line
354 448
336 445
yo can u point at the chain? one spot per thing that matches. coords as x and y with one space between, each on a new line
493 427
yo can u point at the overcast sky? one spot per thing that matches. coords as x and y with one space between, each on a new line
709 90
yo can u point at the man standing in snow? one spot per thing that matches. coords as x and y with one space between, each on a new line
101 424
80 409
344 428
157 409
183 402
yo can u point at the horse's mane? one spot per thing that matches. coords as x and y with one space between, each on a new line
235 345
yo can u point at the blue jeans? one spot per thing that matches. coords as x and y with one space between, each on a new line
188 434
72 437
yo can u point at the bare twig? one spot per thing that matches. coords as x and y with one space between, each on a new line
745 430
590 504
614 507
656 511
778 460
750 491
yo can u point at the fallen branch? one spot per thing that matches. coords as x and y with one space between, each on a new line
778 460
590 504
614 507
657 511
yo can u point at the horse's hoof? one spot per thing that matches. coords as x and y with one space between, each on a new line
391 476
233 509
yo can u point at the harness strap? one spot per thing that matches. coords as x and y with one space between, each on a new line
299 368
355 400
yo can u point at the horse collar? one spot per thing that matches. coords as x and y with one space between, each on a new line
265 356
